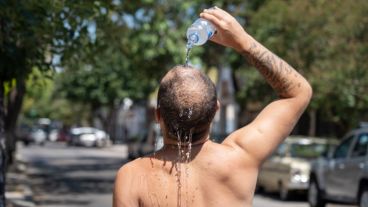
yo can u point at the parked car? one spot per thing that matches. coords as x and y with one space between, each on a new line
343 176
88 137
53 135
23 133
63 135
287 170
38 136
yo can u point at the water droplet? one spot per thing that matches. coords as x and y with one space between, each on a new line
190 112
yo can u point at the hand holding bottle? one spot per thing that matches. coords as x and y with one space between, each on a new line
199 32
229 32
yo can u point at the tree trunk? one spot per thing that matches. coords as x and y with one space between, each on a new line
14 106
312 122
2 146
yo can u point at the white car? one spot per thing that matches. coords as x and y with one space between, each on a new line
38 136
287 170
88 137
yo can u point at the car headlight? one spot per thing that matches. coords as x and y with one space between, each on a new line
297 176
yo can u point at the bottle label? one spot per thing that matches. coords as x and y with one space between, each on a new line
210 33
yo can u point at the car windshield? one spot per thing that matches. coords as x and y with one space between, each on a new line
308 151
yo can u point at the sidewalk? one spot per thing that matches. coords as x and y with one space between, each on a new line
18 192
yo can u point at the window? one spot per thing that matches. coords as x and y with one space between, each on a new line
360 148
307 151
343 149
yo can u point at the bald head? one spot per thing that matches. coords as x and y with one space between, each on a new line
187 103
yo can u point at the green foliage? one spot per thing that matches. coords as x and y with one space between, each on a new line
327 42
135 44
115 49
41 101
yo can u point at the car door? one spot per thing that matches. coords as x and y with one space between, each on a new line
335 173
353 169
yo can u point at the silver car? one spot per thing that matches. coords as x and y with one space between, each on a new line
88 137
343 176
38 136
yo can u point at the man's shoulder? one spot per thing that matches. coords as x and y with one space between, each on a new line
133 165
126 192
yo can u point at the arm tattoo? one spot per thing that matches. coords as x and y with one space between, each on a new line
277 72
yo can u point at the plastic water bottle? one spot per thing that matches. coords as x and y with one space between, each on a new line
199 32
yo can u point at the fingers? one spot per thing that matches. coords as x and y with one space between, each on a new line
212 18
215 11
219 12
217 16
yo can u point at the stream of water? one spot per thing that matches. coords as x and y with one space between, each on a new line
188 48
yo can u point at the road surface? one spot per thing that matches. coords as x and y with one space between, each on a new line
72 176
62 176
273 201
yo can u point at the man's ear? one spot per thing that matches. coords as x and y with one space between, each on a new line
157 115
218 105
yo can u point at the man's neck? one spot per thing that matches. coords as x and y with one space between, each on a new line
174 143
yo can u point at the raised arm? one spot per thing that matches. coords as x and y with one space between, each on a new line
276 120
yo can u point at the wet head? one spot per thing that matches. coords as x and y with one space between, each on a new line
187 103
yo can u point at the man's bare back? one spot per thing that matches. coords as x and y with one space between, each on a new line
214 174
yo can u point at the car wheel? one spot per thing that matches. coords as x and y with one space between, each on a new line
26 142
363 198
101 143
283 192
70 143
314 195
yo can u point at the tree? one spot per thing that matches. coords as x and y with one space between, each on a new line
31 33
21 49
133 46
328 45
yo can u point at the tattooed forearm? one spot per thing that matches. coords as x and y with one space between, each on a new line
280 75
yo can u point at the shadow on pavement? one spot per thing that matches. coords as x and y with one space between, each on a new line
294 197
67 182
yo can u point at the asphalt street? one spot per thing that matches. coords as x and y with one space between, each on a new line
73 176
62 176
272 201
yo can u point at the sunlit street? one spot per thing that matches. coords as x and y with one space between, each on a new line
164 103
72 176
62 176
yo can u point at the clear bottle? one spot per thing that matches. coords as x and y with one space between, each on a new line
199 32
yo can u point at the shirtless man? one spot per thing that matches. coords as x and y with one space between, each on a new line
214 174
